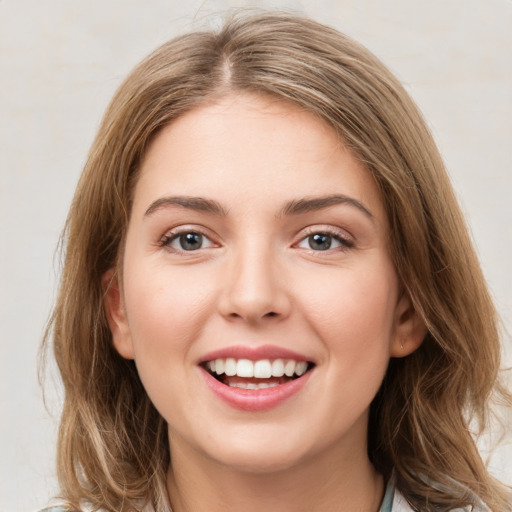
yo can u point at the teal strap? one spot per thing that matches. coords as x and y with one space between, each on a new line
387 502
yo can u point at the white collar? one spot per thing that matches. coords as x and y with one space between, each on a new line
400 504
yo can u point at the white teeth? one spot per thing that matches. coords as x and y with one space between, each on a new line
261 369
289 368
301 367
278 368
219 366
267 385
244 368
252 385
230 367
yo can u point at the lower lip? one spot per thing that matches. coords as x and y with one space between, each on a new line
255 399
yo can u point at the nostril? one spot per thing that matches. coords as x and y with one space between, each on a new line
271 313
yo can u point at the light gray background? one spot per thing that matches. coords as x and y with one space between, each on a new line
60 62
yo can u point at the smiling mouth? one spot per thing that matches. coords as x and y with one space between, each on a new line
255 375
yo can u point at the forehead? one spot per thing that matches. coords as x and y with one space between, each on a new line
257 148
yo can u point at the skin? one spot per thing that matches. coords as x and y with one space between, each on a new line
256 281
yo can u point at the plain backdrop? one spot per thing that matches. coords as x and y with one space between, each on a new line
60 62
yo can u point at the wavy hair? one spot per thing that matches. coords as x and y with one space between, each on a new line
112 449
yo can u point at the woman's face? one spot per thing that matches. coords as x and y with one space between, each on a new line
257 245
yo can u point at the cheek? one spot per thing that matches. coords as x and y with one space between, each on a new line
166 314
353 313
166 309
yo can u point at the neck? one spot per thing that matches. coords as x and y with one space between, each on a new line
327 482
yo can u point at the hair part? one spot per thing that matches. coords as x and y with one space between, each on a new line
113 448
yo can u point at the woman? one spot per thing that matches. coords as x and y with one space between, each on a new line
270 299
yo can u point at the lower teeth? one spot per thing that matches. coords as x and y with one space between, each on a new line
252 385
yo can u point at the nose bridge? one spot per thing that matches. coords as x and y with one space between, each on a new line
253 290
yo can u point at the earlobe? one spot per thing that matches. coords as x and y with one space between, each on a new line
114 309
409 328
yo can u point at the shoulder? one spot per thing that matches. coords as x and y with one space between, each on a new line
400 504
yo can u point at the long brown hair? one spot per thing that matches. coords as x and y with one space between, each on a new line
113 450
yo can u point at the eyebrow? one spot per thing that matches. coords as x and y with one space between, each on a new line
294 207
191 203
308 204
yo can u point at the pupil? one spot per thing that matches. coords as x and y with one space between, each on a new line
191 241
320 242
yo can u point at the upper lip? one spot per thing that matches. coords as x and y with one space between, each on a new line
254 353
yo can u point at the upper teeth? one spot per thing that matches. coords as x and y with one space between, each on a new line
262 369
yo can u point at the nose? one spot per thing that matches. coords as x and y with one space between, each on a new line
253 289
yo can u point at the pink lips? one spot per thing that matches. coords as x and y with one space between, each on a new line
260 399
255 400
253 353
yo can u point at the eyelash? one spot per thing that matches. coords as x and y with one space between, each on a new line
344 242
167 240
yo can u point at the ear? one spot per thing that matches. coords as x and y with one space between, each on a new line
409 329
113 303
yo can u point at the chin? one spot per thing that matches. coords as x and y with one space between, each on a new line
259 463
259 456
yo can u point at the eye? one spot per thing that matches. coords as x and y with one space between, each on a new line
324 241
186 241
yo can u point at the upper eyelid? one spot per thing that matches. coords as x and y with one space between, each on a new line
172 233
328 230
187 228
334 231
345 239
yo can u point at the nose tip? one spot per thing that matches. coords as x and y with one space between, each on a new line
251 312
253 292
